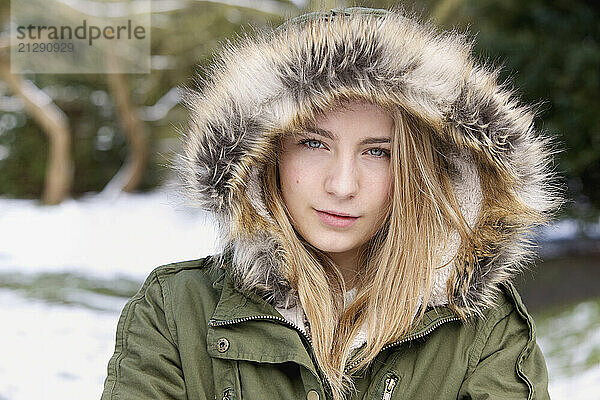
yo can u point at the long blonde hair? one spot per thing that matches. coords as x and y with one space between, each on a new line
397 268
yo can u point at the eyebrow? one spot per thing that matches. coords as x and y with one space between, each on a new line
332 136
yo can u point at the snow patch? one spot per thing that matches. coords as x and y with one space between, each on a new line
129 235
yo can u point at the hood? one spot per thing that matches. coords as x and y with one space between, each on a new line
267 80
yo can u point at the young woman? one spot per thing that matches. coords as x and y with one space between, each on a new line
374 189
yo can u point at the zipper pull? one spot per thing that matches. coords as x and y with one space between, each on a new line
390 383
227 394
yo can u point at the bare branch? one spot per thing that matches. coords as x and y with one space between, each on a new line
54 123
161 108
131 173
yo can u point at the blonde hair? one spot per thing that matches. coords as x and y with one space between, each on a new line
397 268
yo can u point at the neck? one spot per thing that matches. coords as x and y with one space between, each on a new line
347 264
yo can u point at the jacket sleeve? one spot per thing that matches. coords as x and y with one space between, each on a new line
146 362
506 362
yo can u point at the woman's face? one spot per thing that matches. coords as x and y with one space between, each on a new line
335 177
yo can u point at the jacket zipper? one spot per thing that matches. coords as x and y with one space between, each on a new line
390 383
280 320
407 339
284 321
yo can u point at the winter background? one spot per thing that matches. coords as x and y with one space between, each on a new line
67 269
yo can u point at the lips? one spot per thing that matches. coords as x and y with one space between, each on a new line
339 214
338 220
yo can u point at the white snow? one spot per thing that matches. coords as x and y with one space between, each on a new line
583 386
129 235
62 351
566 229
53 352
567 340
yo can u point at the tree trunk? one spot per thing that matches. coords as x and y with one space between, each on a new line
54 122
131 173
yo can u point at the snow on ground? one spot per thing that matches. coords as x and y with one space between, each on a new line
53 352
570 341
61 350
129 235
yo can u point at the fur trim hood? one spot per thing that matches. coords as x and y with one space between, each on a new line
262 83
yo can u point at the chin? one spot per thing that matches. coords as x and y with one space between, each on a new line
334 249
333 245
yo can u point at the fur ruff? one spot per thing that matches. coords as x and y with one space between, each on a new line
265 82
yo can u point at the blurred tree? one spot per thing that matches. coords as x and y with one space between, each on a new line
54 123
131 173
550 50
184 35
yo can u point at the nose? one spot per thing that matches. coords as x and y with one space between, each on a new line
341 179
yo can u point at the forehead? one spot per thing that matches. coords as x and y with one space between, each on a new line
353 119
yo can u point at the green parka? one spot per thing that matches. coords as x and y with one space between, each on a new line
215 328
190 334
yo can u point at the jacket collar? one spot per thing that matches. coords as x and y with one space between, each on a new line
236 307
247 314
254 330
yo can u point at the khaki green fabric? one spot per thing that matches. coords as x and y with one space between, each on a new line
189 334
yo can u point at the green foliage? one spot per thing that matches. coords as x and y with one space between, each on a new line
21 175
58 288
551 53
98 146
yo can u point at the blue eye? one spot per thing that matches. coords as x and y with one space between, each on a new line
312 144
380 153
315 144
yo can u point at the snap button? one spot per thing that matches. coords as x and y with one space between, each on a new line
222 345
312 395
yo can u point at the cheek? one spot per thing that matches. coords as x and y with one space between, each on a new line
299 167
287 173
292 178
380 187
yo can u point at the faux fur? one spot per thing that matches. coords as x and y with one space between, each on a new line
265 82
